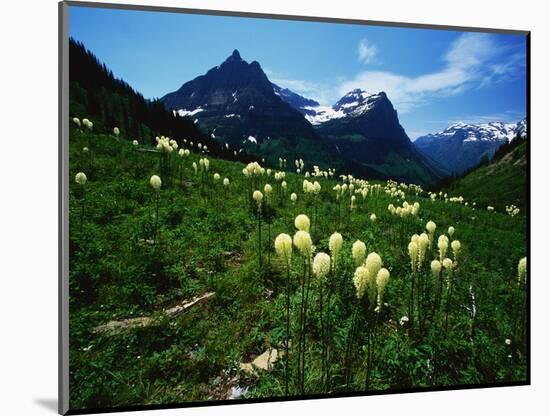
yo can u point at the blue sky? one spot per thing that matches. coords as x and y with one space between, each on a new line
433 77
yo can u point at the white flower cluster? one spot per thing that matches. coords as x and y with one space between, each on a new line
512 210
87 123
299 163
80 178
417 250
165 144
313 188
373 277
317 172
283 247
204 164
253 169
282 163
405 210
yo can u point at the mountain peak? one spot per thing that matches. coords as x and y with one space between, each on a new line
462 145
235 56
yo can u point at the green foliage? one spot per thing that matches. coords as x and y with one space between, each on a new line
499 183
121 268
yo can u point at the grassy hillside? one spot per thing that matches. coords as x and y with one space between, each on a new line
137 253
500 183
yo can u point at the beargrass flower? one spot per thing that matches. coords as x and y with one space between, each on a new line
373 265
85 149
451 231
435 267
80 178
216 176
195 167
335 245
442 245
447 263
359 252
413 254
372 217
430 227
258 197
302 222
225 182
302 241
321 265
382 278
360 281
283 247
87 123
316 188
455 246
522 270
268 189
76 121
352 204
423 243
293 197
116 131
135 142
155 182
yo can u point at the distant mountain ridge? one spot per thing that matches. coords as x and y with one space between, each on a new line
296 101
364 130
499 183
241 108
461 146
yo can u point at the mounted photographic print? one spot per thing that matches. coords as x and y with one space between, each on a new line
265 207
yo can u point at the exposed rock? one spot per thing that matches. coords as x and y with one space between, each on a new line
116 326
263 361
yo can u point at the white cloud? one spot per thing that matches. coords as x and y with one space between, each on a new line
466 63
366 51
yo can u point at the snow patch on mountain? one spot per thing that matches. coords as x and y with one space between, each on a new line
182 112
320 114
355 103
484 132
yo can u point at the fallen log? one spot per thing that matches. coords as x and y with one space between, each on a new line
144 321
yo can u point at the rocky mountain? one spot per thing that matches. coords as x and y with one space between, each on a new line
296 101
365 131
462 146
241 108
